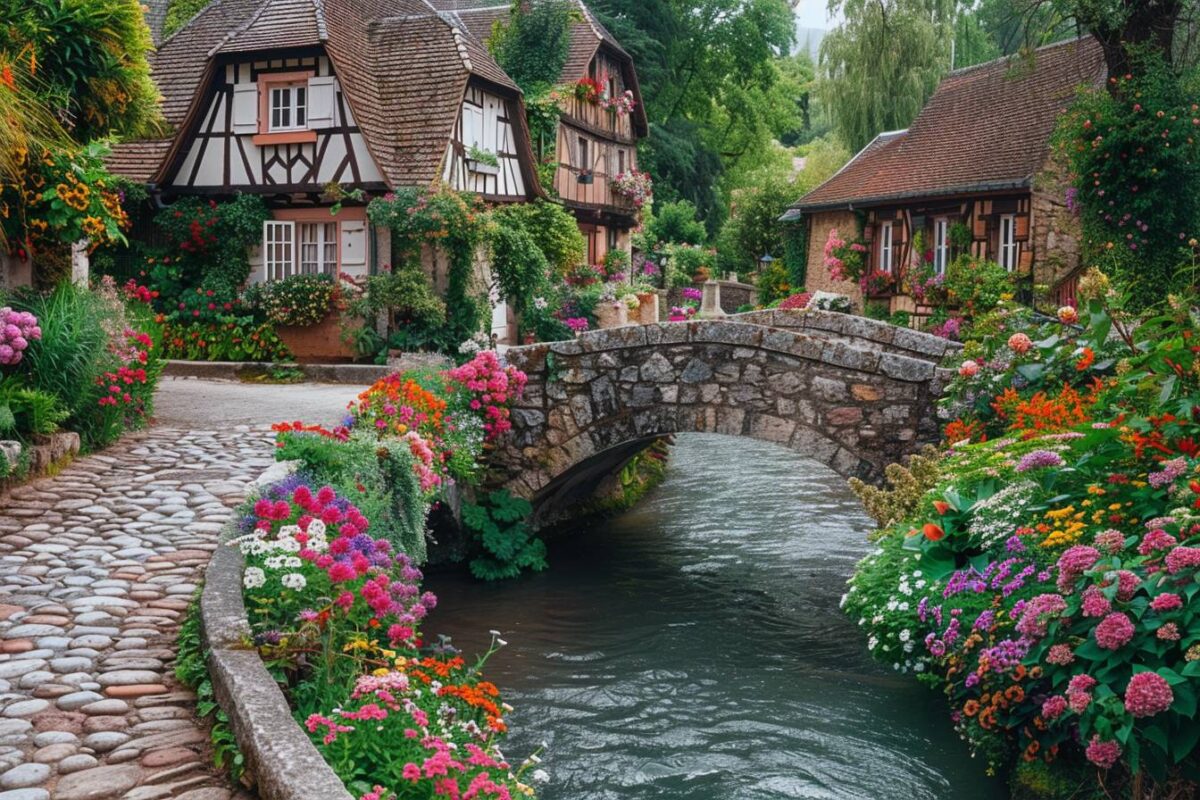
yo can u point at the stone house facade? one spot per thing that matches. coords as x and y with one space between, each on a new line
974 174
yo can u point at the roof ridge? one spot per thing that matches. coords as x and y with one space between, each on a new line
322 26
587 17
1014 56
459 34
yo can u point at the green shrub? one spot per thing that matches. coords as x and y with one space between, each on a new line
296 300
509 546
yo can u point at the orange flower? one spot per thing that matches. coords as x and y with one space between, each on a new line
934 532
941 505
971 708
1086 360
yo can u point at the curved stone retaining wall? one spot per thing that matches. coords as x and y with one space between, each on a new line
279 755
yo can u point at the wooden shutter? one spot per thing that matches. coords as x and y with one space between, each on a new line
245 108
1022 231
354 243
321 103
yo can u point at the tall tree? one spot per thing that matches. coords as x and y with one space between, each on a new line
880 66
708 79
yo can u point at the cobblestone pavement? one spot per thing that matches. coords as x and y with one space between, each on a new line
97 566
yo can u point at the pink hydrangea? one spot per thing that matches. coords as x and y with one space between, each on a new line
1127 584
1103 753
1020 343
1110 541
1182 558
1073 562
1054 707
1060 654
1079 692
1114 631
1168 632
1039 613
1148 694
1157 539
1167 601
1095 604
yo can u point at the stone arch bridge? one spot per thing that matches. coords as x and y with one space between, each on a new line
852 393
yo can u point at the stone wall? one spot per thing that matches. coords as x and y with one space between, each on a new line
1054 229
844 401
817 279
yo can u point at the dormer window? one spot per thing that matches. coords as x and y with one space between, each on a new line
288 107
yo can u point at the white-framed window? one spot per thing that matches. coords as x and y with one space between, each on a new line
288 106
885 246
318 247
293 248
941 245
1009 247
279 249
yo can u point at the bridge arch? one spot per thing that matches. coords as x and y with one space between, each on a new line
852 393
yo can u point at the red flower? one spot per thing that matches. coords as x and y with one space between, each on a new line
934 533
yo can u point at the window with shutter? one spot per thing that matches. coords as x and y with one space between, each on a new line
941 245
1009 248
885 246
245 108
288 107
321 102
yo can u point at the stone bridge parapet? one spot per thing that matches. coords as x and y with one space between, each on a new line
853 397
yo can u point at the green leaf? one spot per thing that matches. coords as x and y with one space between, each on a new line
1185 700
1031 372
1158 736
1184 741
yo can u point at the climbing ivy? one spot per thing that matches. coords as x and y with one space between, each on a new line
449 222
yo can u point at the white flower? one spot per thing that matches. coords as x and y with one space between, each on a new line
908 647
289 531
294 580
905 635
919 667
291 562
916 573
539 776
254 578
274 562
872 643
920 584
540 303
316 528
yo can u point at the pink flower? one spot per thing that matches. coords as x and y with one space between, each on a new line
1095 604
1157 539
1148 694
1168 632
1060 654
1039 613
1073 562
1103 754
968 369
1114 631
1167 601
411 772
1068 315
1020 343
1110 541
1182 558
1054 707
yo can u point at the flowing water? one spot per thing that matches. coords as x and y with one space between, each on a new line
693 648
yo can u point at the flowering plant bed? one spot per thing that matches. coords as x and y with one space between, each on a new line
1042 572
332 588
636 187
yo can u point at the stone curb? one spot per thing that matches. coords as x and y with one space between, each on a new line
362 374
279 755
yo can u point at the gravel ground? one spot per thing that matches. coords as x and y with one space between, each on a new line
191 402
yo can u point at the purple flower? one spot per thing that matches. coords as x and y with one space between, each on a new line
1169 472
1039 459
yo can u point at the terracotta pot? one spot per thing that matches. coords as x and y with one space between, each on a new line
612 315
320 342
647 308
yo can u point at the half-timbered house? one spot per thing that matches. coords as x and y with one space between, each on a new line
285 98
974 173
596 141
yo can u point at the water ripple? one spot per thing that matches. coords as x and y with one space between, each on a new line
693 648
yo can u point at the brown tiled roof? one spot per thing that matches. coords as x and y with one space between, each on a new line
986 127
138 161
278 23
403 66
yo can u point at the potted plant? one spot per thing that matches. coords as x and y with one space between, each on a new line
483 162
611 311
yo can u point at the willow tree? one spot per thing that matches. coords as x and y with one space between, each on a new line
880 66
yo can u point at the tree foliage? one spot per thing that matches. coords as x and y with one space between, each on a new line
709 78
532 45
880 66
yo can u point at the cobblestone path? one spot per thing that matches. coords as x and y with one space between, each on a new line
97 566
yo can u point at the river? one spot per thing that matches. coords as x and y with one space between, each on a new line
693 648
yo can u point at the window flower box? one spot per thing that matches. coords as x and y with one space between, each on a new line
483 162
586 176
